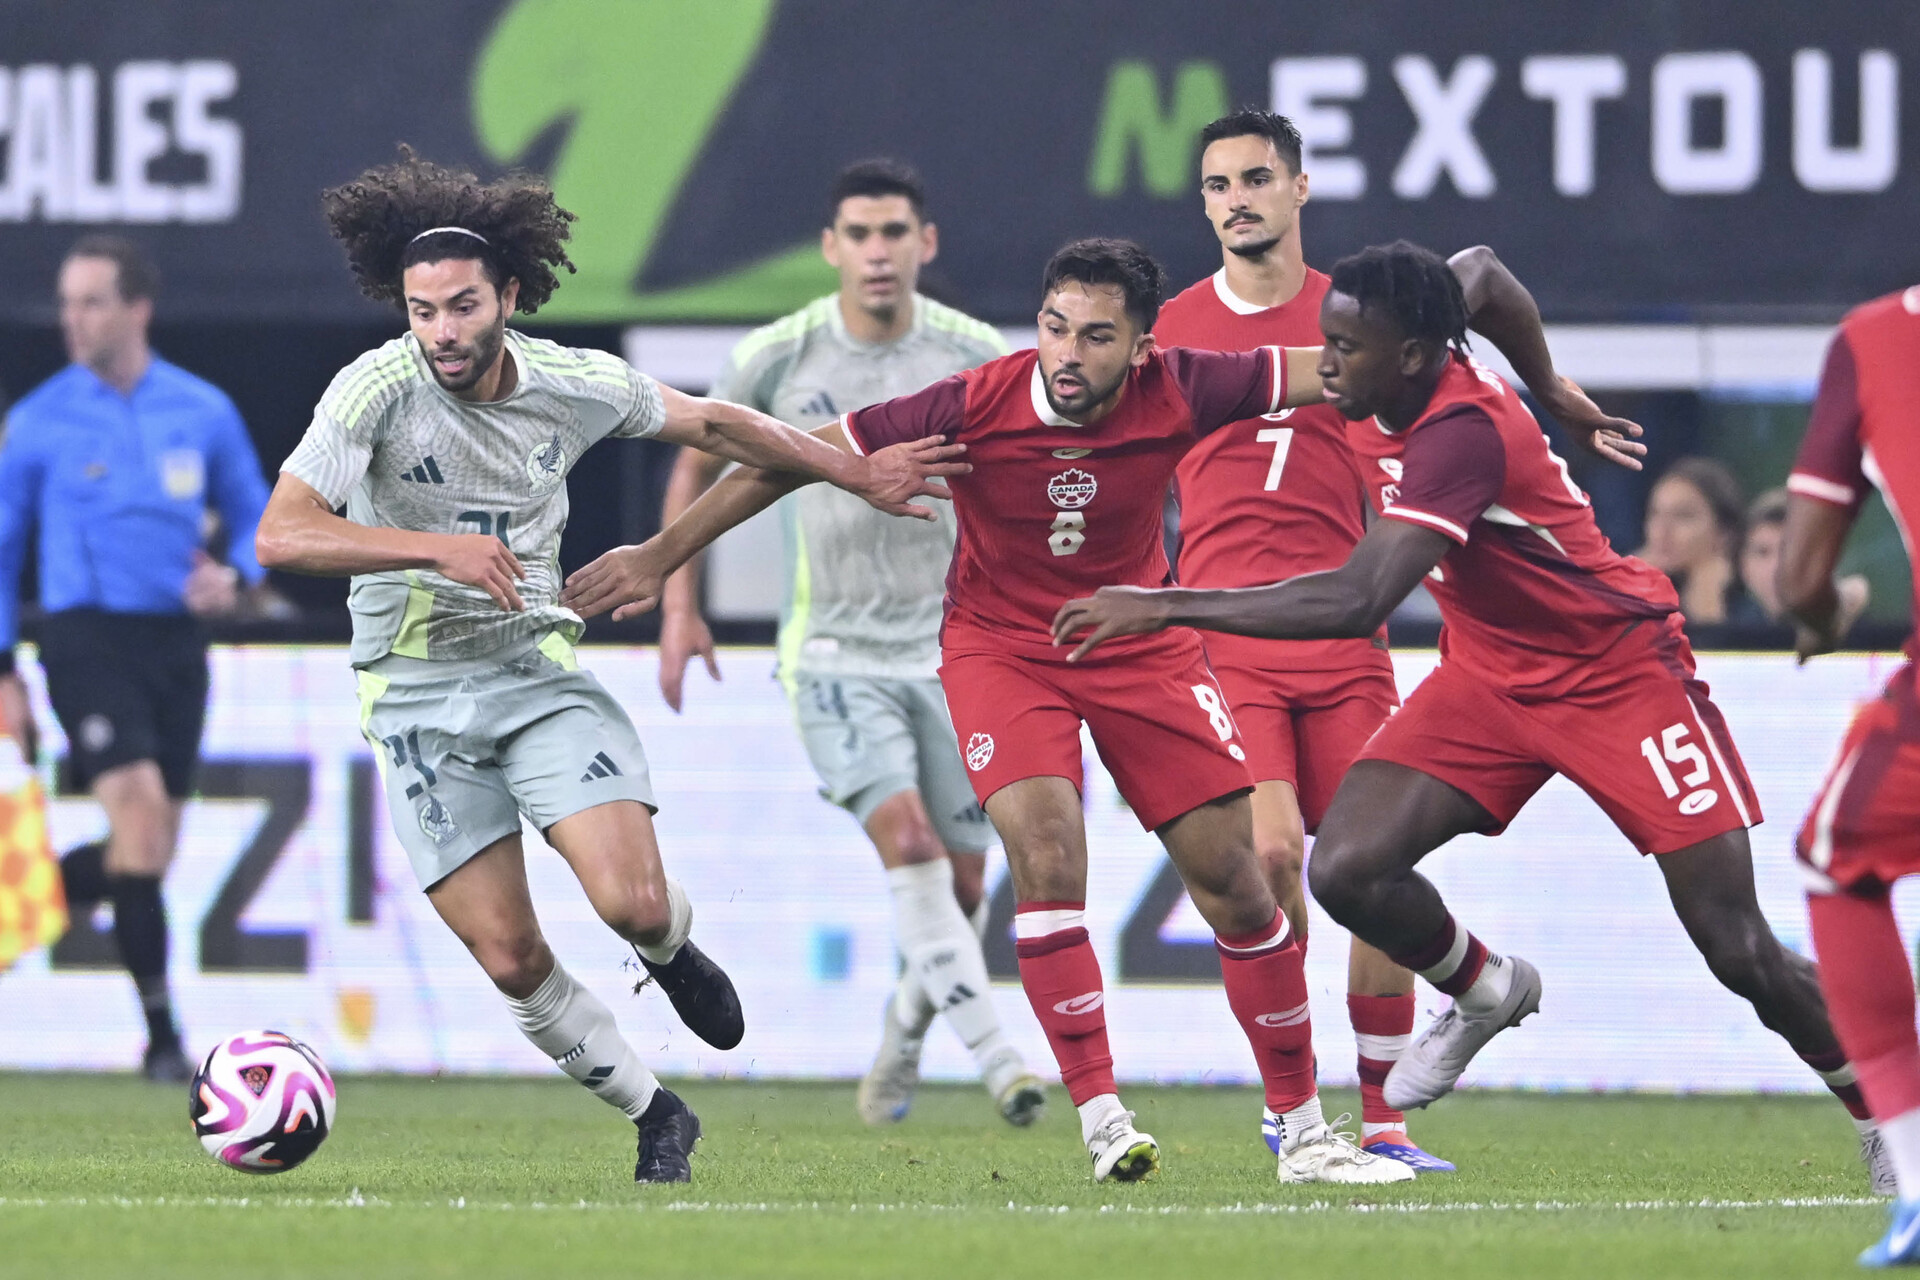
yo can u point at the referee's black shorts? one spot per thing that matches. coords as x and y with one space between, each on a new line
127 687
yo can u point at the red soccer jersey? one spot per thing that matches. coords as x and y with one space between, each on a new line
1534 596
1053 510
1865 426
1267 498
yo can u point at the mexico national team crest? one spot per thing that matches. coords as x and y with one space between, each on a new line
436 822
547 465
1072 488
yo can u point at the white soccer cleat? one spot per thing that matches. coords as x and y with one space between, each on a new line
886 1092
1429 1069
1879 1162
1328 1154
1122 1152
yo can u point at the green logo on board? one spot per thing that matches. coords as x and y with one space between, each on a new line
637 87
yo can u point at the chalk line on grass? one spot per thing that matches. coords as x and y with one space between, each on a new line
356 1200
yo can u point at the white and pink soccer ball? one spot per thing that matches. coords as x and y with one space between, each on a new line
261 1102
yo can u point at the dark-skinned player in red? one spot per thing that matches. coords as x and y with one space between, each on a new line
1559 656
1281 495
1863 832
1072 448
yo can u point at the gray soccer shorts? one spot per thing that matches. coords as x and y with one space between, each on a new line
466 747
871 738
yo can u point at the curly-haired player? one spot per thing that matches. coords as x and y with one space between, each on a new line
450 447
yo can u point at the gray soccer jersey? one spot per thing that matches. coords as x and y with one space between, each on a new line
864 589
402 453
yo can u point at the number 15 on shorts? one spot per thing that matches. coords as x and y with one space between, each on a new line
1671 751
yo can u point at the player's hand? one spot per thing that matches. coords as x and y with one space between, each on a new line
211 588
484 561
627 580
683 633
16 716
1614 439
901 472
1810 642
1110 612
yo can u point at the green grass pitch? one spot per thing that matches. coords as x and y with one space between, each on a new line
99 1176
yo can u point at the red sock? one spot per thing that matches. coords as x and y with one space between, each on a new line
1450 960
1383 1027
1869 990
1266 981
1061 976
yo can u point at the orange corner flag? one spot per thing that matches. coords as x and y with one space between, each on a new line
33 906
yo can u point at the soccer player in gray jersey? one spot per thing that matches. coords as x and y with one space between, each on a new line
860 632
450 448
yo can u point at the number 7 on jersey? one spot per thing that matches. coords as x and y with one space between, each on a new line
1282 440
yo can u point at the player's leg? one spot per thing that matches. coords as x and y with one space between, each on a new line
859 733
961 826
1869 991
1711 887
486 903
1454 759
1329 734
1041 825
1385 818
1861 835
944 969
1019 738
459 821
575 767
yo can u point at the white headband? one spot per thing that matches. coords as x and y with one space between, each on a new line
458 231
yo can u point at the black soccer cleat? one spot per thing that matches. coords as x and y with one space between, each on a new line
165 1063
668 1131
702 994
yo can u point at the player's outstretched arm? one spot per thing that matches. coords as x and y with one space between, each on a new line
1351 601
1500 308
1823 609
631 580
888 479
299 533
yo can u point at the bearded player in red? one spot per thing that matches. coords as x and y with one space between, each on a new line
1559 656
1864 831
1072 448
1281 495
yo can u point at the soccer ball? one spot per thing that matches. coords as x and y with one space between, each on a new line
261 1102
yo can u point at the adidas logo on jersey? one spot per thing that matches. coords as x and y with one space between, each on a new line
602 767
820 405
428 472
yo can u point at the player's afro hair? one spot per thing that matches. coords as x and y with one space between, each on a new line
379 214
1413 285
1111 262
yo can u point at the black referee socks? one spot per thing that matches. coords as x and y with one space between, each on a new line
140 927
83 873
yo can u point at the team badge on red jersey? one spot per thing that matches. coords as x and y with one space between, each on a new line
1072 488
979 751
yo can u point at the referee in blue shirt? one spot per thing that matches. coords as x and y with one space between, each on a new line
114 461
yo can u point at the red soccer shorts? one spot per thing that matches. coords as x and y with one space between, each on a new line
1307 727
1864 828
1158 720
1641 737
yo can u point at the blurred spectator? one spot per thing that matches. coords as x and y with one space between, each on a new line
1760 562
1759 558
1694 519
